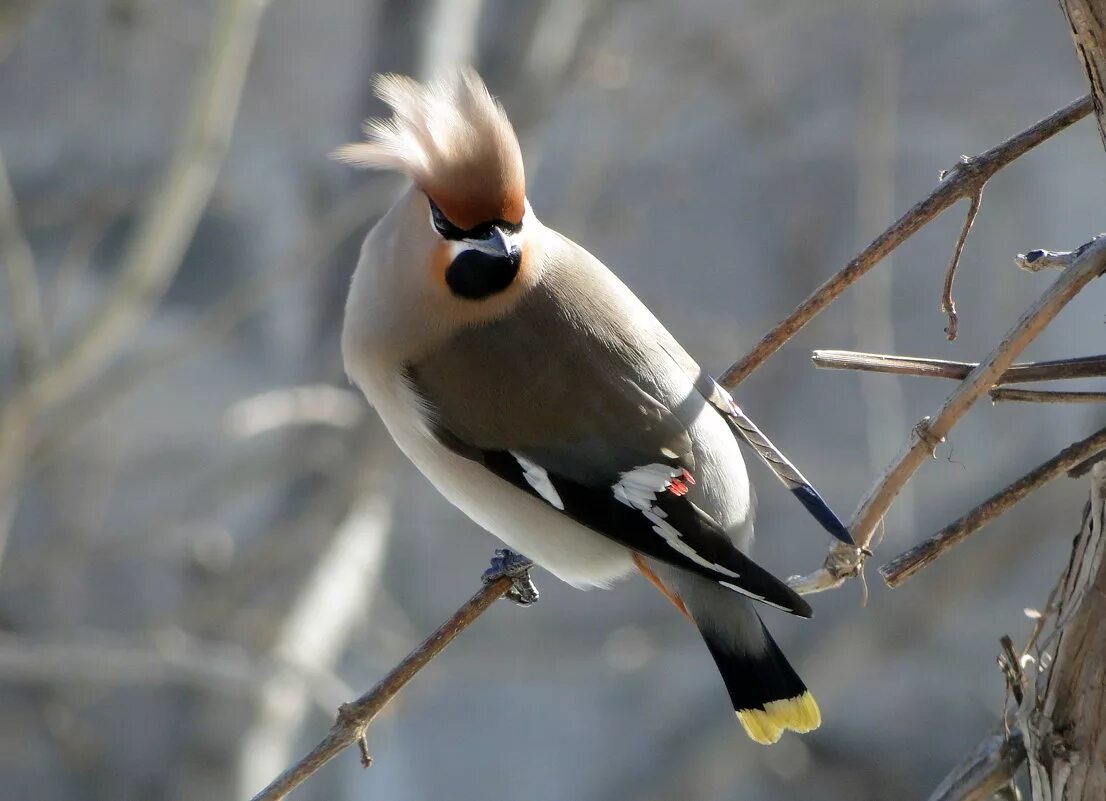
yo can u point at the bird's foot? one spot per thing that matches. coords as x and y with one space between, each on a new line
516 567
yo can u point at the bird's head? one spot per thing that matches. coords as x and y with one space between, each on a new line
462 226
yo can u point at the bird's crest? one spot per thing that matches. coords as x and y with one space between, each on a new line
453 139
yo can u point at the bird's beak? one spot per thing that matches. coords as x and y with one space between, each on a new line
497 243
501 241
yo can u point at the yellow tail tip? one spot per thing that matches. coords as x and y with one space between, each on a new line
765 726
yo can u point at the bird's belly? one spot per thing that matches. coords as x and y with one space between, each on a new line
566 549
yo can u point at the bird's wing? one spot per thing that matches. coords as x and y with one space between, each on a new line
583 421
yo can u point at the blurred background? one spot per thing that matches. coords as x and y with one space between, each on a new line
206 540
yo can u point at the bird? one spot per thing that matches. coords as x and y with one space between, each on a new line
543 399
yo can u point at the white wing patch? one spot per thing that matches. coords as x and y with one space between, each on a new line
639 488
537 478
753 595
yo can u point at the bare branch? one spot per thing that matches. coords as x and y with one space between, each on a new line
1082 367
354 718
906 564
843 561
948 305
966 180
1046 396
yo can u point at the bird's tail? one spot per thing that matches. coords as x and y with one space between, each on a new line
768 695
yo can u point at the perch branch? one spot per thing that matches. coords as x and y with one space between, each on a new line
906 564
354 717
844 561
1082 367
1045 396
965 180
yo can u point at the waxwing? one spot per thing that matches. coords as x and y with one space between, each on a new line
545 401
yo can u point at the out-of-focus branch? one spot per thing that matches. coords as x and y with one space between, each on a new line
354 718
158 245
310 404
24 302
906 564
844 561
155 249
336 596
103 659
1083 367
964 181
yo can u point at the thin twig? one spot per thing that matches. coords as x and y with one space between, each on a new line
964 181
906 564
843 561
1046 396
354 718
1055 370
948 305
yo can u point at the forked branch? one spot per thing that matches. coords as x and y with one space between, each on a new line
964 181
906 564
843 561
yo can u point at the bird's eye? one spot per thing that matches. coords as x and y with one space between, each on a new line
442 225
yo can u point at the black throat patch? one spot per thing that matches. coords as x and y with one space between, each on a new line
475 275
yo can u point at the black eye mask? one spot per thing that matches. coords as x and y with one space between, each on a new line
450 231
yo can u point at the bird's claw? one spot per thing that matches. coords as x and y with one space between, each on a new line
516 567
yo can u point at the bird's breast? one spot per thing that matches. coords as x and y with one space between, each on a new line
525 524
